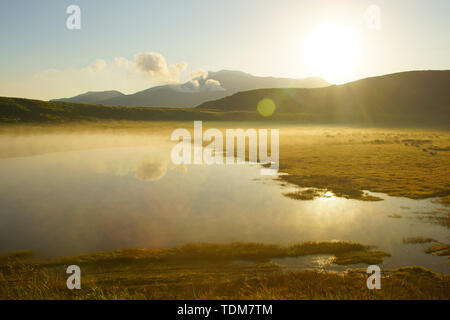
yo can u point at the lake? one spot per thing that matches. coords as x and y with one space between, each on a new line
72 202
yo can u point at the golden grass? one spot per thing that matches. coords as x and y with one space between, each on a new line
439 249
204 252
446 200
207 271
358 257
308 194
347 161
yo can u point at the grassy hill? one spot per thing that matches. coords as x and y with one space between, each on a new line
416 97
94 97
18 110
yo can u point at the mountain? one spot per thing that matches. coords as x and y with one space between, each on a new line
214 85
93 97
241 81
165 96
416 98
408 97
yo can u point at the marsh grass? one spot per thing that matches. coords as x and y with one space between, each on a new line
439 250
358 257
351 162
446 200
208 271
201 252
417 240
395 216
308 194
440 217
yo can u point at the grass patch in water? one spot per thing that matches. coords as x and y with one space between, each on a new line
417 240
361 257
207 252
368 197
439 250
308 194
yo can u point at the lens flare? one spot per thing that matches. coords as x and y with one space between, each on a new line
266 107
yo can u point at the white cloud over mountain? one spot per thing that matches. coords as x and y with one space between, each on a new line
144 70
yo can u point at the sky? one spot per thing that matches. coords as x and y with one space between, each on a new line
133 45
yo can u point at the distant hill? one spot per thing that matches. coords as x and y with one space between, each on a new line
21 111
241 81
214 86
93 97
408 97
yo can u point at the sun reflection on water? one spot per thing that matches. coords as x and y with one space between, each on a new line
327 196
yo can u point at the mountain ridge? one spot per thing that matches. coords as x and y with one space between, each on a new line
420 94
92 96
204 88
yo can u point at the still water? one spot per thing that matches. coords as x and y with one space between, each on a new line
66 203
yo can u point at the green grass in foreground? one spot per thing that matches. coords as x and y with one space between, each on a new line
213 271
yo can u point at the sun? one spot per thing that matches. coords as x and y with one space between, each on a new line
333 53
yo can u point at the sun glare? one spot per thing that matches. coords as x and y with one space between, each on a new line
333 52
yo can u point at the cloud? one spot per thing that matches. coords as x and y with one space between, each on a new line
97 65
179 67
123 63
192 85
152 63
213 85
202 74
143 71
200 84
99 75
